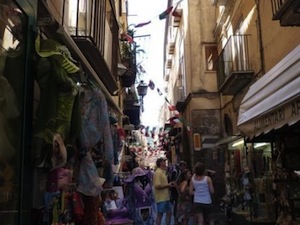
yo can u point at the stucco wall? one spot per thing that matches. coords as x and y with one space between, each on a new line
277 41
199 32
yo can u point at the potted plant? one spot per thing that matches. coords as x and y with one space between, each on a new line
129 50
128 79
126 54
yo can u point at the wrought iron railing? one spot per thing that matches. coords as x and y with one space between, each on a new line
277 6
234 58
96 21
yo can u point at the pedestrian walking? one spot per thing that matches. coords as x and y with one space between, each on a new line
161 188
184 205
175 175
201 187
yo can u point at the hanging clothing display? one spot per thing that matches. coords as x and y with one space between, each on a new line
70 113
55 112
96 127
95 121
89 182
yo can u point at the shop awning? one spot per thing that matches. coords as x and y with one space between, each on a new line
274 100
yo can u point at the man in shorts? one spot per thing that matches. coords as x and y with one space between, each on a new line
161 189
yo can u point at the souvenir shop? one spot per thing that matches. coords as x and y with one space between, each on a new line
60 138
132 201
262 166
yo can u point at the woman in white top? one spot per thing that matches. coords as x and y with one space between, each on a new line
201 187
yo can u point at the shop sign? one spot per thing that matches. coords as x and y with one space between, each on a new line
288 113
197 141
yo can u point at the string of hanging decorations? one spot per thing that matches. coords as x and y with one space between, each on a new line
172 10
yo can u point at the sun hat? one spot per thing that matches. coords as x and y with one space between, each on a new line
137 172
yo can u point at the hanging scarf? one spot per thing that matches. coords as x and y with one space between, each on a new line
95 122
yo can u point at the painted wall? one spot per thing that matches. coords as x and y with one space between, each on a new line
264 53
199 33
277 41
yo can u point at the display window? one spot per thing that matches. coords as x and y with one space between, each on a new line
13 24
249 179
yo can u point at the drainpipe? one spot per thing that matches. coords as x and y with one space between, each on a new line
260 42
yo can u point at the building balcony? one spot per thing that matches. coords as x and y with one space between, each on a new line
129 102
233 66
179 98
128 78
94 28
134 113
128 59
176 19
171 48
130 97
287 11
169 63
167 77
128 54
